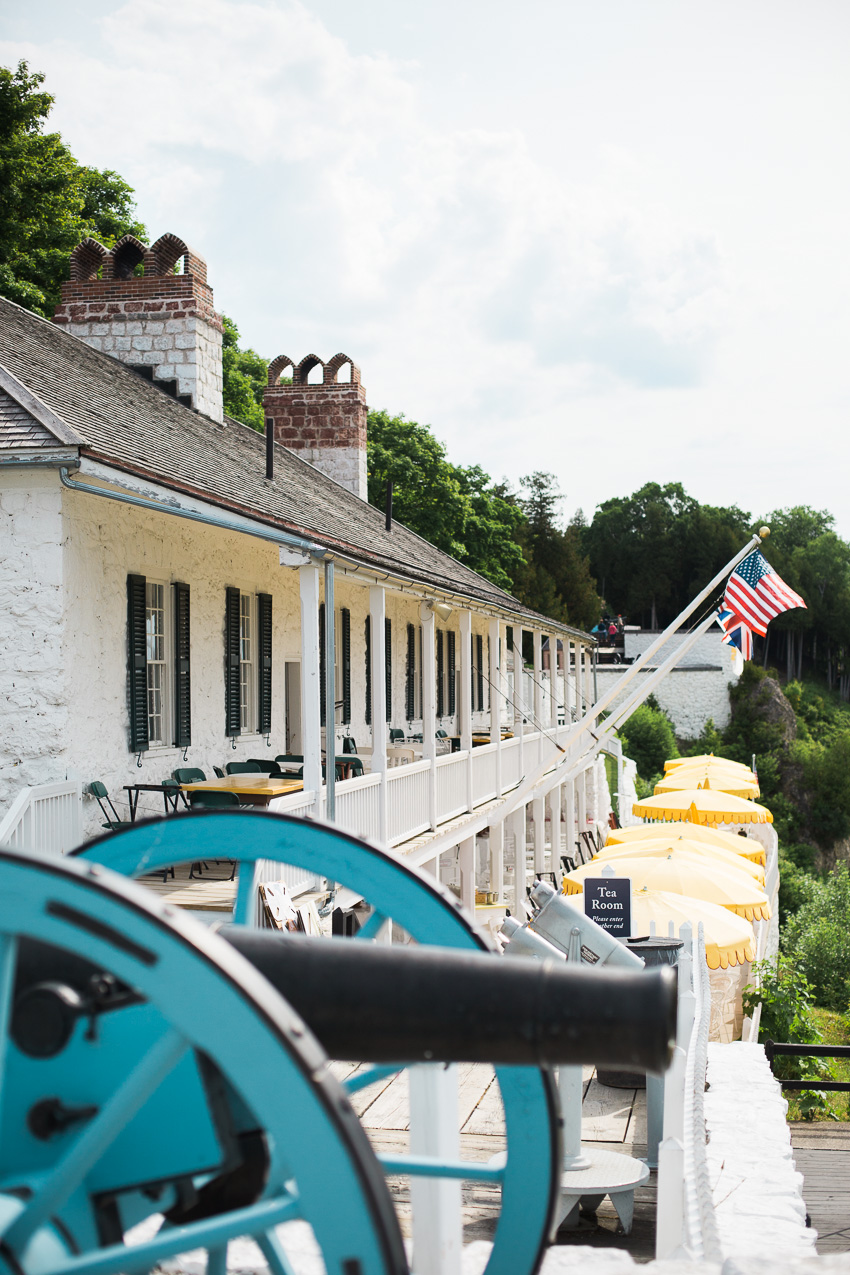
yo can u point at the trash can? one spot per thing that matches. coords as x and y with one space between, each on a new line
653 952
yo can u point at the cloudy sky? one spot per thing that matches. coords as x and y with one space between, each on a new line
604 239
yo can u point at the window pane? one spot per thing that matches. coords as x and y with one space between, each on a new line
156 656
246 660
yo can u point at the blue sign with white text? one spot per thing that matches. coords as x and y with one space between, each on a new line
608 902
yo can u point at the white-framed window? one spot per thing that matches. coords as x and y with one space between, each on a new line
247 662
158 654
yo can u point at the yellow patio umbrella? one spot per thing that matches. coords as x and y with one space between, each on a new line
700 849
704 759
722 780
728 938
703 832
702 805
711 768
682 873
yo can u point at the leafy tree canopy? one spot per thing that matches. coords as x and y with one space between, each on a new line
48 202
554 576
653 550
244 379
456 508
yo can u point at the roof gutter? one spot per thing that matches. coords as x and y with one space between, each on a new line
194 515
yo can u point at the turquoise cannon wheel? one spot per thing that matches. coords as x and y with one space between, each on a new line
530 1176
143 1060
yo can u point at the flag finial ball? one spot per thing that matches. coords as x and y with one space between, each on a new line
764 532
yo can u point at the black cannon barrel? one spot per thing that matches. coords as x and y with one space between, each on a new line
417 1004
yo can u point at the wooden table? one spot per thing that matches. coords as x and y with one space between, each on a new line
252 790
170 796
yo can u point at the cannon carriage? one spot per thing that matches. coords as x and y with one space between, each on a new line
166 1089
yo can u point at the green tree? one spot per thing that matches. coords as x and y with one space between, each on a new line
554 577
652 551
244 379
455 508
816 938
48 202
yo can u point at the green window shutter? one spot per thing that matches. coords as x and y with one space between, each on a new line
182 668
264 671
479 670
388 664
232 690
441 700
368 670
410 674
450 660
345 625
323 698
137 663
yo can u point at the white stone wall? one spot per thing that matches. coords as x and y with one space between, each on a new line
707 650
689 695
33 696
187 349
345 465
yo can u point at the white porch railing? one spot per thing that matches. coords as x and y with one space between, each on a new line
686 1225
452 799
358 805
47 818
483 774
407 802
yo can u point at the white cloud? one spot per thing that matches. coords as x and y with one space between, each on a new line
530 312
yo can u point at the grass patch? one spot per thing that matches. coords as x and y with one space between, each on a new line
835 1030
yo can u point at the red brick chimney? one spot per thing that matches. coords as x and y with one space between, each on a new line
325 424
162 324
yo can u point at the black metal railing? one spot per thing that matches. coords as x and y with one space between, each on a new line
775 1049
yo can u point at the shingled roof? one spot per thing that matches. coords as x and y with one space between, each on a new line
125 421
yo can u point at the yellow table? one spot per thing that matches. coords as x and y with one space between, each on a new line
252 790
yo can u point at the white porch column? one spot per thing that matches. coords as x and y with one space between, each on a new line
435 1202
497 859
579 680
553 681
568 690
517 830
538 680
466 864
570 818
555 830
519 728
429 709
377 616
538 818
465 705
311 725
581 806
494 634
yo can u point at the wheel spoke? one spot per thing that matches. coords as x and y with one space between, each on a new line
372 928
426 1166
212 1234
99 1134
370 1076
244 909
273 1251
8 961
217 1261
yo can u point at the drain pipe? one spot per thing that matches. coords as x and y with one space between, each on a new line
330 694
193 515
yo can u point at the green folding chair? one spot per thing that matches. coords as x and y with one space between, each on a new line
243 768
101 796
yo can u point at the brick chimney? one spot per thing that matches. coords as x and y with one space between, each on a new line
326 423
163 325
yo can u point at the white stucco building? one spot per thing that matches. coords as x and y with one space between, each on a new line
164 569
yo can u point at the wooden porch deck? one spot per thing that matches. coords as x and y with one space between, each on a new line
822 1155
612 1118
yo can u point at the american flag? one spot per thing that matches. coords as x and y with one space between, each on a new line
755 594
736 633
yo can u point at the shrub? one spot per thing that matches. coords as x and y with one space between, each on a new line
786 1015
816 938
648 739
